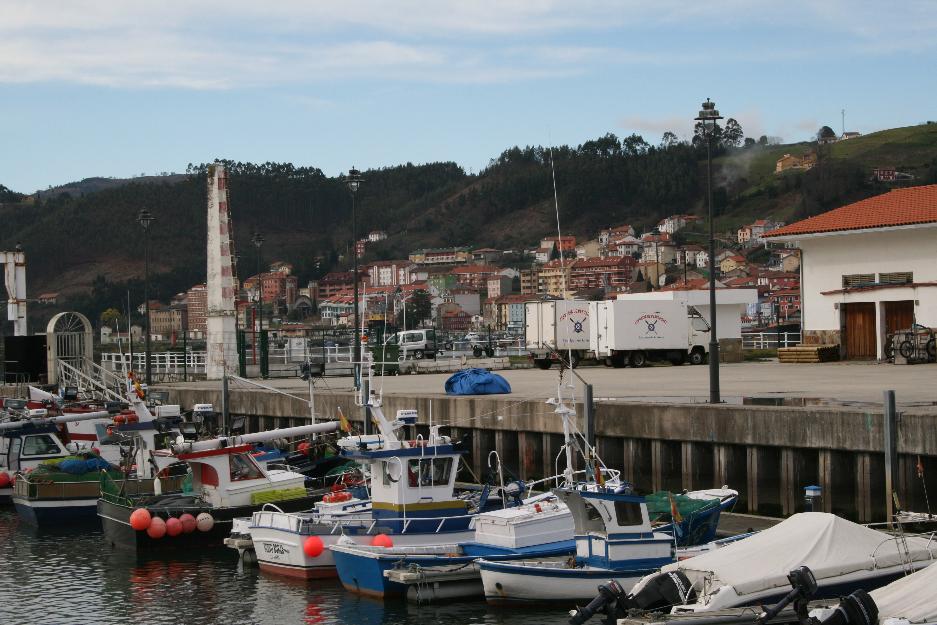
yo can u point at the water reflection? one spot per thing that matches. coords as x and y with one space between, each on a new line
75 577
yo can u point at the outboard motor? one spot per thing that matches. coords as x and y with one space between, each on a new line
662 592
856 609
803 586
607 601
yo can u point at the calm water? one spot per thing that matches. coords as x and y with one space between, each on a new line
76 578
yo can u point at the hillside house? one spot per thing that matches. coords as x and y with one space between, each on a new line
610 274
612 234
804 161
869 269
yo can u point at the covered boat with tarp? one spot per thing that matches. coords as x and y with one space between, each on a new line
842 555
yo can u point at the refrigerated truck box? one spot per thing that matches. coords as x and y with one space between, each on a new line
657 329
562 325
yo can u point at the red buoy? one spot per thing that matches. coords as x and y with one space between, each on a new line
382 540
173 526
4 479
313 547
157 528
303 447
140 519
188 523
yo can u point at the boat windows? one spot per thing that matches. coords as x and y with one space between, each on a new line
39 445
429 471
628 513
243 468
391 472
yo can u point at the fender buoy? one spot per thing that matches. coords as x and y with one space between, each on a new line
4 479
204 522
157 528
537 507
188 523
313 547
382 540
173 526
140 519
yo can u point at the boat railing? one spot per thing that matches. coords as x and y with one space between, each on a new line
408 524
612 475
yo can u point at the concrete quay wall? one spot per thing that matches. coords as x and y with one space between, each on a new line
767 453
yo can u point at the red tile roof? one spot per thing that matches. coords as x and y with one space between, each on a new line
900 207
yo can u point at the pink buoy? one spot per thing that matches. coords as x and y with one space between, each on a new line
157 528
140 519
204 522
188 523
313 547
173 526
382 540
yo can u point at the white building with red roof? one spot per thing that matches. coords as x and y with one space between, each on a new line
868 269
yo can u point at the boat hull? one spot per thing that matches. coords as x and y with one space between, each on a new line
362 570
115 521
506 582
57 513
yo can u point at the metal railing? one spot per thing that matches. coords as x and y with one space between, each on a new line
770 340
166 366
90 380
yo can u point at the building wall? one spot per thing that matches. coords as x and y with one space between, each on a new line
827 259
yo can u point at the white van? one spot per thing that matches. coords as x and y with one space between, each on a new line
417 343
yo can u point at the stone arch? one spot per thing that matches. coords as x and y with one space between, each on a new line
70 339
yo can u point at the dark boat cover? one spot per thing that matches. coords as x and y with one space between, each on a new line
476 382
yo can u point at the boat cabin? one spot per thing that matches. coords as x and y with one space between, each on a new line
230 476
27 446
613 530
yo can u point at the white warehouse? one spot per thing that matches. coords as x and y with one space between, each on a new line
867 270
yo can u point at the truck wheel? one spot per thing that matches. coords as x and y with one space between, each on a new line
490 352
543 363
638 359
477 351
697 357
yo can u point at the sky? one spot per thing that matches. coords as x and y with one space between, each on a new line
125 87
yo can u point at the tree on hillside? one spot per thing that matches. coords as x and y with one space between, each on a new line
668 140
825 133
732 135
749 142
699 136
634 145
110 316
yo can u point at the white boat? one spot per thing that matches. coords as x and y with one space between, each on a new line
614 540
842 555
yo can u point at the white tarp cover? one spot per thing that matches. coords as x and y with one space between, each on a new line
829 545
913 597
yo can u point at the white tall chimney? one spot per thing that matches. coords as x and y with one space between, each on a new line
221 314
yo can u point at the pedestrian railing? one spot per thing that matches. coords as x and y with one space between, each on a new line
770 340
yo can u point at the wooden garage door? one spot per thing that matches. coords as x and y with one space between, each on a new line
898 315
860 330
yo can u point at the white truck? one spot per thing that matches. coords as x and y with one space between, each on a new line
634 332
558 326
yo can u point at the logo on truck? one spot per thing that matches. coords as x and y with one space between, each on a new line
650 322
578 326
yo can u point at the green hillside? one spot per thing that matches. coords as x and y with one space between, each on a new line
83 241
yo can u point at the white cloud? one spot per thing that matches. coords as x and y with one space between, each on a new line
215 44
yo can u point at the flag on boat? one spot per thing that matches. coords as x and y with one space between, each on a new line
343 423
674 511
920 468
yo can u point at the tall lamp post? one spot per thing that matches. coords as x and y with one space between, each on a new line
146 218
354 180
258 241
708 117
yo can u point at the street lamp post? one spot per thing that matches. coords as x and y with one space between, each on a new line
258 241
146 218
708 116
354 180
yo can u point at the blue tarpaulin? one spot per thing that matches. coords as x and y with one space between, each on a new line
476 382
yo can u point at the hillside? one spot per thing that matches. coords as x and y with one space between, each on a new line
83 240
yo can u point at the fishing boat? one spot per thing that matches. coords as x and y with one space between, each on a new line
227 482
614 541
842 555
30 437
413 501
60 493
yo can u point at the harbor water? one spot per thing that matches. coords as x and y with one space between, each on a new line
71 578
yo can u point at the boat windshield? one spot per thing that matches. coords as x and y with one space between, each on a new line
39 445
242 468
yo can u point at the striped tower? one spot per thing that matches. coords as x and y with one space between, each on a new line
221 326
